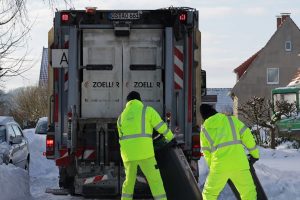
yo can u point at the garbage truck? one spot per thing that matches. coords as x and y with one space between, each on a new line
96 57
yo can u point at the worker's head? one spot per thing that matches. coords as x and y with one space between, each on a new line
207 111
133 95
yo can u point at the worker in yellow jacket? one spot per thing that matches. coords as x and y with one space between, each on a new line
135 127
222 141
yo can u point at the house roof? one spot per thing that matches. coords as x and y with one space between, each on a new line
245 65
210 98
296 80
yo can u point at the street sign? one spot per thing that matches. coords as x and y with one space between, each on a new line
60 58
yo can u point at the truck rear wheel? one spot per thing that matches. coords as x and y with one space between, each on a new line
66 181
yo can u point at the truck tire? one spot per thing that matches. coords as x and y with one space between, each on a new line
70 184
66 181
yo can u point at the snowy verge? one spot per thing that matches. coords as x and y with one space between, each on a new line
40 166
14 183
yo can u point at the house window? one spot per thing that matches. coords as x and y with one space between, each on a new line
288 46
272 75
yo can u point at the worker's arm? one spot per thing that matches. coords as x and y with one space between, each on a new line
159 125
248 140
119 126
206 148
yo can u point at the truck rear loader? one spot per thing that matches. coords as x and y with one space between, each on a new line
96 57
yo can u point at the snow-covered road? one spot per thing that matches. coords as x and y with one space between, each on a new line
43 172
278 170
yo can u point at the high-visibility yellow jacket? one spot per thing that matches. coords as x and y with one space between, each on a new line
223 139
135 127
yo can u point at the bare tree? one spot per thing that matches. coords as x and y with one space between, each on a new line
53 3
14 29
258 111
2 103
29 104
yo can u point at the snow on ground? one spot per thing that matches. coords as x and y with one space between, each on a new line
14 183
278 171
43 172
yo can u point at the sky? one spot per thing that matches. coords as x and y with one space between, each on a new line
232 31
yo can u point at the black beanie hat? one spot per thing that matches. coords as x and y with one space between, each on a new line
133 95
207 111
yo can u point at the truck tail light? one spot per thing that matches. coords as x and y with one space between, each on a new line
196 153
183 17
70 114
50 145
65 17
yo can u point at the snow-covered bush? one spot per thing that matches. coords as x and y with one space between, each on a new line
286 143
261 135
259 111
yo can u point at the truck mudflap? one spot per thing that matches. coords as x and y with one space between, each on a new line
100 186
261 195
178 178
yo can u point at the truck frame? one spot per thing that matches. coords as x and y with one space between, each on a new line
96 57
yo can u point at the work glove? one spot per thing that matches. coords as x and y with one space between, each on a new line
252 160
173 142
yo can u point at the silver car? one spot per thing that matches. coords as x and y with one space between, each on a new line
41 126
13 144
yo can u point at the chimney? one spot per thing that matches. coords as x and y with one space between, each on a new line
282 18
278 21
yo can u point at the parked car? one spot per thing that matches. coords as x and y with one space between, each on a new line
13 145
41 126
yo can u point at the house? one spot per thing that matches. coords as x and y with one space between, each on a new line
210 99
272 66
220 99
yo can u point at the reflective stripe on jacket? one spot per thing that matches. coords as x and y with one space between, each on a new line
223 139
135 127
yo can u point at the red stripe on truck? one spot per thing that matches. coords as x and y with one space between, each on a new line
177 87
85 153
178 71
178 54
66 77
178 67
